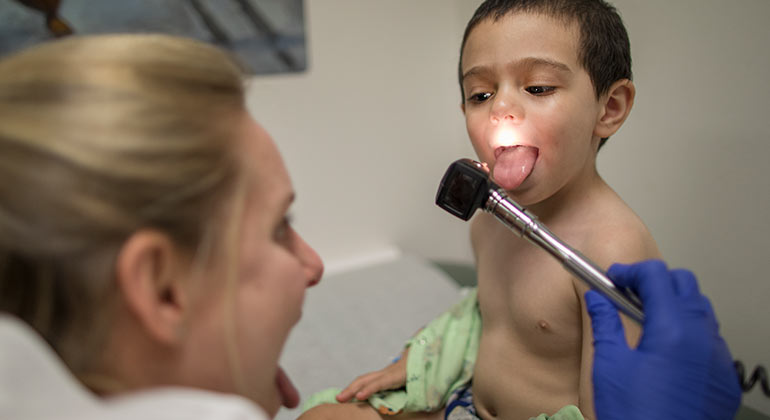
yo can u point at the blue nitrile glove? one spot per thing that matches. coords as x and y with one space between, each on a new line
681 369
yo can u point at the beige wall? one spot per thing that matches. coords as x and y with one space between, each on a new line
368 130
691 156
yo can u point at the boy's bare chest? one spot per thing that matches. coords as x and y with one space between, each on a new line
526 294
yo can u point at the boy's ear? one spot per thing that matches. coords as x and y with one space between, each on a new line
150 277
616 105
462 107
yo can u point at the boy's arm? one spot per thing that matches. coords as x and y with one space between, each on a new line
586 392
613 247
586 396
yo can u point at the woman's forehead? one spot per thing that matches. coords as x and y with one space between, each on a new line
262 165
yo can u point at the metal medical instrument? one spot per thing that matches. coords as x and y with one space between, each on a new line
466 187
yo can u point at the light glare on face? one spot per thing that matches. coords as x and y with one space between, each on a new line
506 136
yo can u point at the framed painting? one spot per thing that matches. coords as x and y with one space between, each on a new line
267 35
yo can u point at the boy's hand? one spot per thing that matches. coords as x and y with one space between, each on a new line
391 377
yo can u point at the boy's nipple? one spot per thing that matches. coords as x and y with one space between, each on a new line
513 165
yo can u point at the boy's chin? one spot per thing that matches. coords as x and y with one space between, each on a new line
526 195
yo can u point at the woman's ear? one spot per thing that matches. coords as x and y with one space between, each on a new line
150 273
616 105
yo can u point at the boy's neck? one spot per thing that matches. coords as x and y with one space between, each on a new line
570 199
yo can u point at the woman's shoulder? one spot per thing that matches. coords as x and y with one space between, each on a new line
35 384
183 403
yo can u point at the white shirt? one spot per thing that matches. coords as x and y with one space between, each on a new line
35 385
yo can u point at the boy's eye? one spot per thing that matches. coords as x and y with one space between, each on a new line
479 97
539 90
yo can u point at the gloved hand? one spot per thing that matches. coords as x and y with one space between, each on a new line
681 369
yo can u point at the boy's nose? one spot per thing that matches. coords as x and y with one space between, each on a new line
505 109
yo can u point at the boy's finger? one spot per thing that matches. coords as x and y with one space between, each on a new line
354 387
349 393
367 391
349 390
382 383
343 396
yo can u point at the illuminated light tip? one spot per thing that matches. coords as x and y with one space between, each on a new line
506 136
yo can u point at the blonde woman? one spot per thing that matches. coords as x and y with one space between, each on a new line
144 238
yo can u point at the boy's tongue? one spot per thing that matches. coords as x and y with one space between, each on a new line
513 166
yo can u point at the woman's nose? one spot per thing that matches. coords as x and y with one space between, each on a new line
314 267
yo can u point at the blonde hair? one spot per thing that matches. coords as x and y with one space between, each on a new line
101 136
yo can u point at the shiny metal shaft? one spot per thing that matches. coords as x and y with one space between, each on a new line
526 225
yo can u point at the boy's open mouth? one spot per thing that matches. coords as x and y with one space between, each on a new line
513 164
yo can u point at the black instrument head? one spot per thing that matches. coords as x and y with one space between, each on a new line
464 188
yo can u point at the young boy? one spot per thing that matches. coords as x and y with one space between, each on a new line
544 84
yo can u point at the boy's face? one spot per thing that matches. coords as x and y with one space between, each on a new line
530 107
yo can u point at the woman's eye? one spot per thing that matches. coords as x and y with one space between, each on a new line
479 97
539 90
283 229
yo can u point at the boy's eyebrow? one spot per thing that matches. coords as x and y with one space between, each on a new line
476 71
532 62
528 63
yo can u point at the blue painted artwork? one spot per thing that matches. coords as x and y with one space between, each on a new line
267 35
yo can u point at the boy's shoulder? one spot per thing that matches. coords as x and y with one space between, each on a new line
604 228
617 235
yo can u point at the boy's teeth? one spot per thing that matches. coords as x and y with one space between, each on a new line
513 165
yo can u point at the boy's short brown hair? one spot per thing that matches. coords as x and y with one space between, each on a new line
604 50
